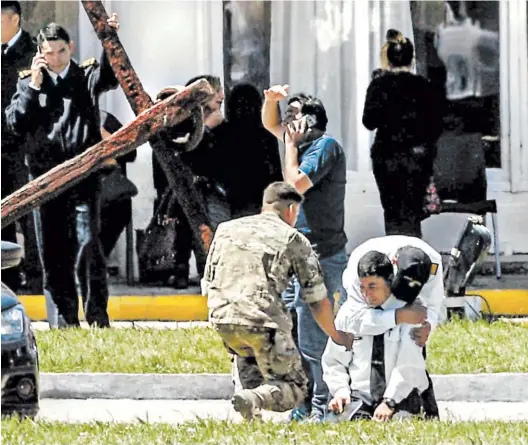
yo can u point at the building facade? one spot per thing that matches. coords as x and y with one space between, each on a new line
329 48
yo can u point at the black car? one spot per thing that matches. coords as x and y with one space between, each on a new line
20 364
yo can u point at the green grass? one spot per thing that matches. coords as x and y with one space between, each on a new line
457 347
464 347
131 350
415 432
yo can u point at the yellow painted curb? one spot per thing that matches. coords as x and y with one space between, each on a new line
137 307
503 301
194 307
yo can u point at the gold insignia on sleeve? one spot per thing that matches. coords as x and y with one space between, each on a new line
89 62
24 73
434 268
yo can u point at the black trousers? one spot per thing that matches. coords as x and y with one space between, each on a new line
428 396
402 181
411 404
114 219
71 253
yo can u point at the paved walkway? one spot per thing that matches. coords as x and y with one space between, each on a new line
178 411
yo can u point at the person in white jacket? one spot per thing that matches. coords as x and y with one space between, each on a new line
364 320
385 372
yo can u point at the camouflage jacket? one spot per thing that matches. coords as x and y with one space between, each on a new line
250 264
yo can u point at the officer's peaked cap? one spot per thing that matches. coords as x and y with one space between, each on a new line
413 268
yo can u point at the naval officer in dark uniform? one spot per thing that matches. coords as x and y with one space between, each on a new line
17 51
56 109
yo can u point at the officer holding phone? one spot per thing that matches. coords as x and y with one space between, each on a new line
56 111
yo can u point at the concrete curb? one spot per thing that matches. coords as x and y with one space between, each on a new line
135 386
502 387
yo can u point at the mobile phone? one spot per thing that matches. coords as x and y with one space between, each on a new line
40 54
311 120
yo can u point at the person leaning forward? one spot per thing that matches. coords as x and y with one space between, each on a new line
250 263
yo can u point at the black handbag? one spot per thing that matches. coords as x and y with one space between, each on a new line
117 187
157 247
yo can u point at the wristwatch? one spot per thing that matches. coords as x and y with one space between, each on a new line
390 403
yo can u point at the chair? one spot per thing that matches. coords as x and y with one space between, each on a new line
460 177
480 208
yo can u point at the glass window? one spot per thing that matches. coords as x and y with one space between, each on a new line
457 48
247 32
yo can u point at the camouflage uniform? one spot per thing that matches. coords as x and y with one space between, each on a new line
250 264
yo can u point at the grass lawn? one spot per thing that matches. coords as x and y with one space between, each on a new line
457 347
222 432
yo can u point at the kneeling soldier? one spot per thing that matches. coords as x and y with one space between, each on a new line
250 263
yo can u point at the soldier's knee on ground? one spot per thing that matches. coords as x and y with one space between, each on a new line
281 396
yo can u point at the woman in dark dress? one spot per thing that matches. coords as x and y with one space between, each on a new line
255 154
406 111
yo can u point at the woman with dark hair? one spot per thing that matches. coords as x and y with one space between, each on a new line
256 161
407 111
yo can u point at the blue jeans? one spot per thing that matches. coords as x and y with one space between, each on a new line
90 265
71 254
310 338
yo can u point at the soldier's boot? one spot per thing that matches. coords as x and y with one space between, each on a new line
248 403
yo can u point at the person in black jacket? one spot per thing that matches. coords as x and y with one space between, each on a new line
211 165
115 215
407 111
56 110
17 51
255 161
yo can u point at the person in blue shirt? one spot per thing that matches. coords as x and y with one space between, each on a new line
315 165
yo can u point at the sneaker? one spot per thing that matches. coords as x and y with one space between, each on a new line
314 418
298 414
247 403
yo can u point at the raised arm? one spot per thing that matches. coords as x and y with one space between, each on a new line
102 77
271 111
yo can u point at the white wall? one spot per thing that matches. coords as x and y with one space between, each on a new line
347 57
170 42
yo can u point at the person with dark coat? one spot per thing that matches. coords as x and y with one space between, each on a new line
115 215
210 163
407 112
17 51
255 154
56 110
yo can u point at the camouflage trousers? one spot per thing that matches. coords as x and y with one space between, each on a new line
269 363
